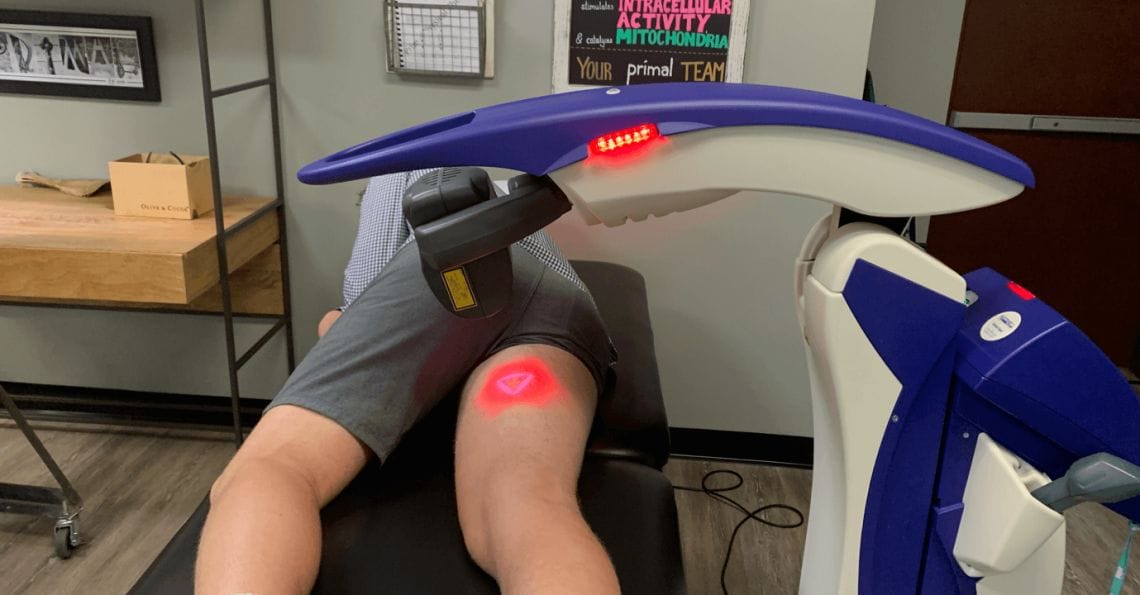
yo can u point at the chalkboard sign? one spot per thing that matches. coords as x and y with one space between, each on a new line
625 42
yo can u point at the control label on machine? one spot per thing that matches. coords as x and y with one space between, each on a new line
459 289
1001 326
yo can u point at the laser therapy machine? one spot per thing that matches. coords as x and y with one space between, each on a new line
955 416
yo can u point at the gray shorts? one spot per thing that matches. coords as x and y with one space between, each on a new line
396 352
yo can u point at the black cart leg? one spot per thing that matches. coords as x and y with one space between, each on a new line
64 504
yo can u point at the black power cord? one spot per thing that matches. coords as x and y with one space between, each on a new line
717 493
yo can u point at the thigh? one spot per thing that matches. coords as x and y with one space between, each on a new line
311 446
392 356
526 411
524 419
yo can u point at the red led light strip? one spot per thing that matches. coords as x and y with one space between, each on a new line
623 140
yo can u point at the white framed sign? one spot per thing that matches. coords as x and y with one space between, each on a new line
627 42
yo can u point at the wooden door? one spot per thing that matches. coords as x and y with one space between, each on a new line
1028 70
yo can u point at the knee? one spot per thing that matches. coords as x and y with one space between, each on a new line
473 527
503 510
263 472
327 321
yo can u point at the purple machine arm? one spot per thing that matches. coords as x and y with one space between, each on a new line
543 134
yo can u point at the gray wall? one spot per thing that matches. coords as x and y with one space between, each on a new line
914 48
719 277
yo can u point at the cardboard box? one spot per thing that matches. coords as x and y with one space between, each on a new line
158 185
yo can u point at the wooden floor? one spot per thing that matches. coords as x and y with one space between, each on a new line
767 560
140 485
764 559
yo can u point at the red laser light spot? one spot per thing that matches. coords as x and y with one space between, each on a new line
515 383
526 381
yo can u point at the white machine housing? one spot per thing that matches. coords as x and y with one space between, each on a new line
853 391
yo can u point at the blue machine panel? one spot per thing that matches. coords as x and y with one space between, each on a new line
1039 387
1043 389
913 329
542 134
961 439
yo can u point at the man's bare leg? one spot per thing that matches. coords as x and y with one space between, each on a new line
524 419
263 534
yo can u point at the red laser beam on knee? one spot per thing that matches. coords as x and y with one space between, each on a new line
525 381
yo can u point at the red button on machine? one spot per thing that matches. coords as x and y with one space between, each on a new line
1021 292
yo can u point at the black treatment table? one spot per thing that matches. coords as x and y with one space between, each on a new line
395 528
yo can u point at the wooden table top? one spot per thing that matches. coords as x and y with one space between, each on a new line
57 246
46 219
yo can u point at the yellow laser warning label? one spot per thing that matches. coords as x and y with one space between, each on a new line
459 289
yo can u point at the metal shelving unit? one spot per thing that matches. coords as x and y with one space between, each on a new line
65 503
209 96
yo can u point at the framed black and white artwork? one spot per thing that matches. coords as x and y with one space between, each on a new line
78 55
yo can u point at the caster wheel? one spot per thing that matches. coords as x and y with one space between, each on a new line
62 541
